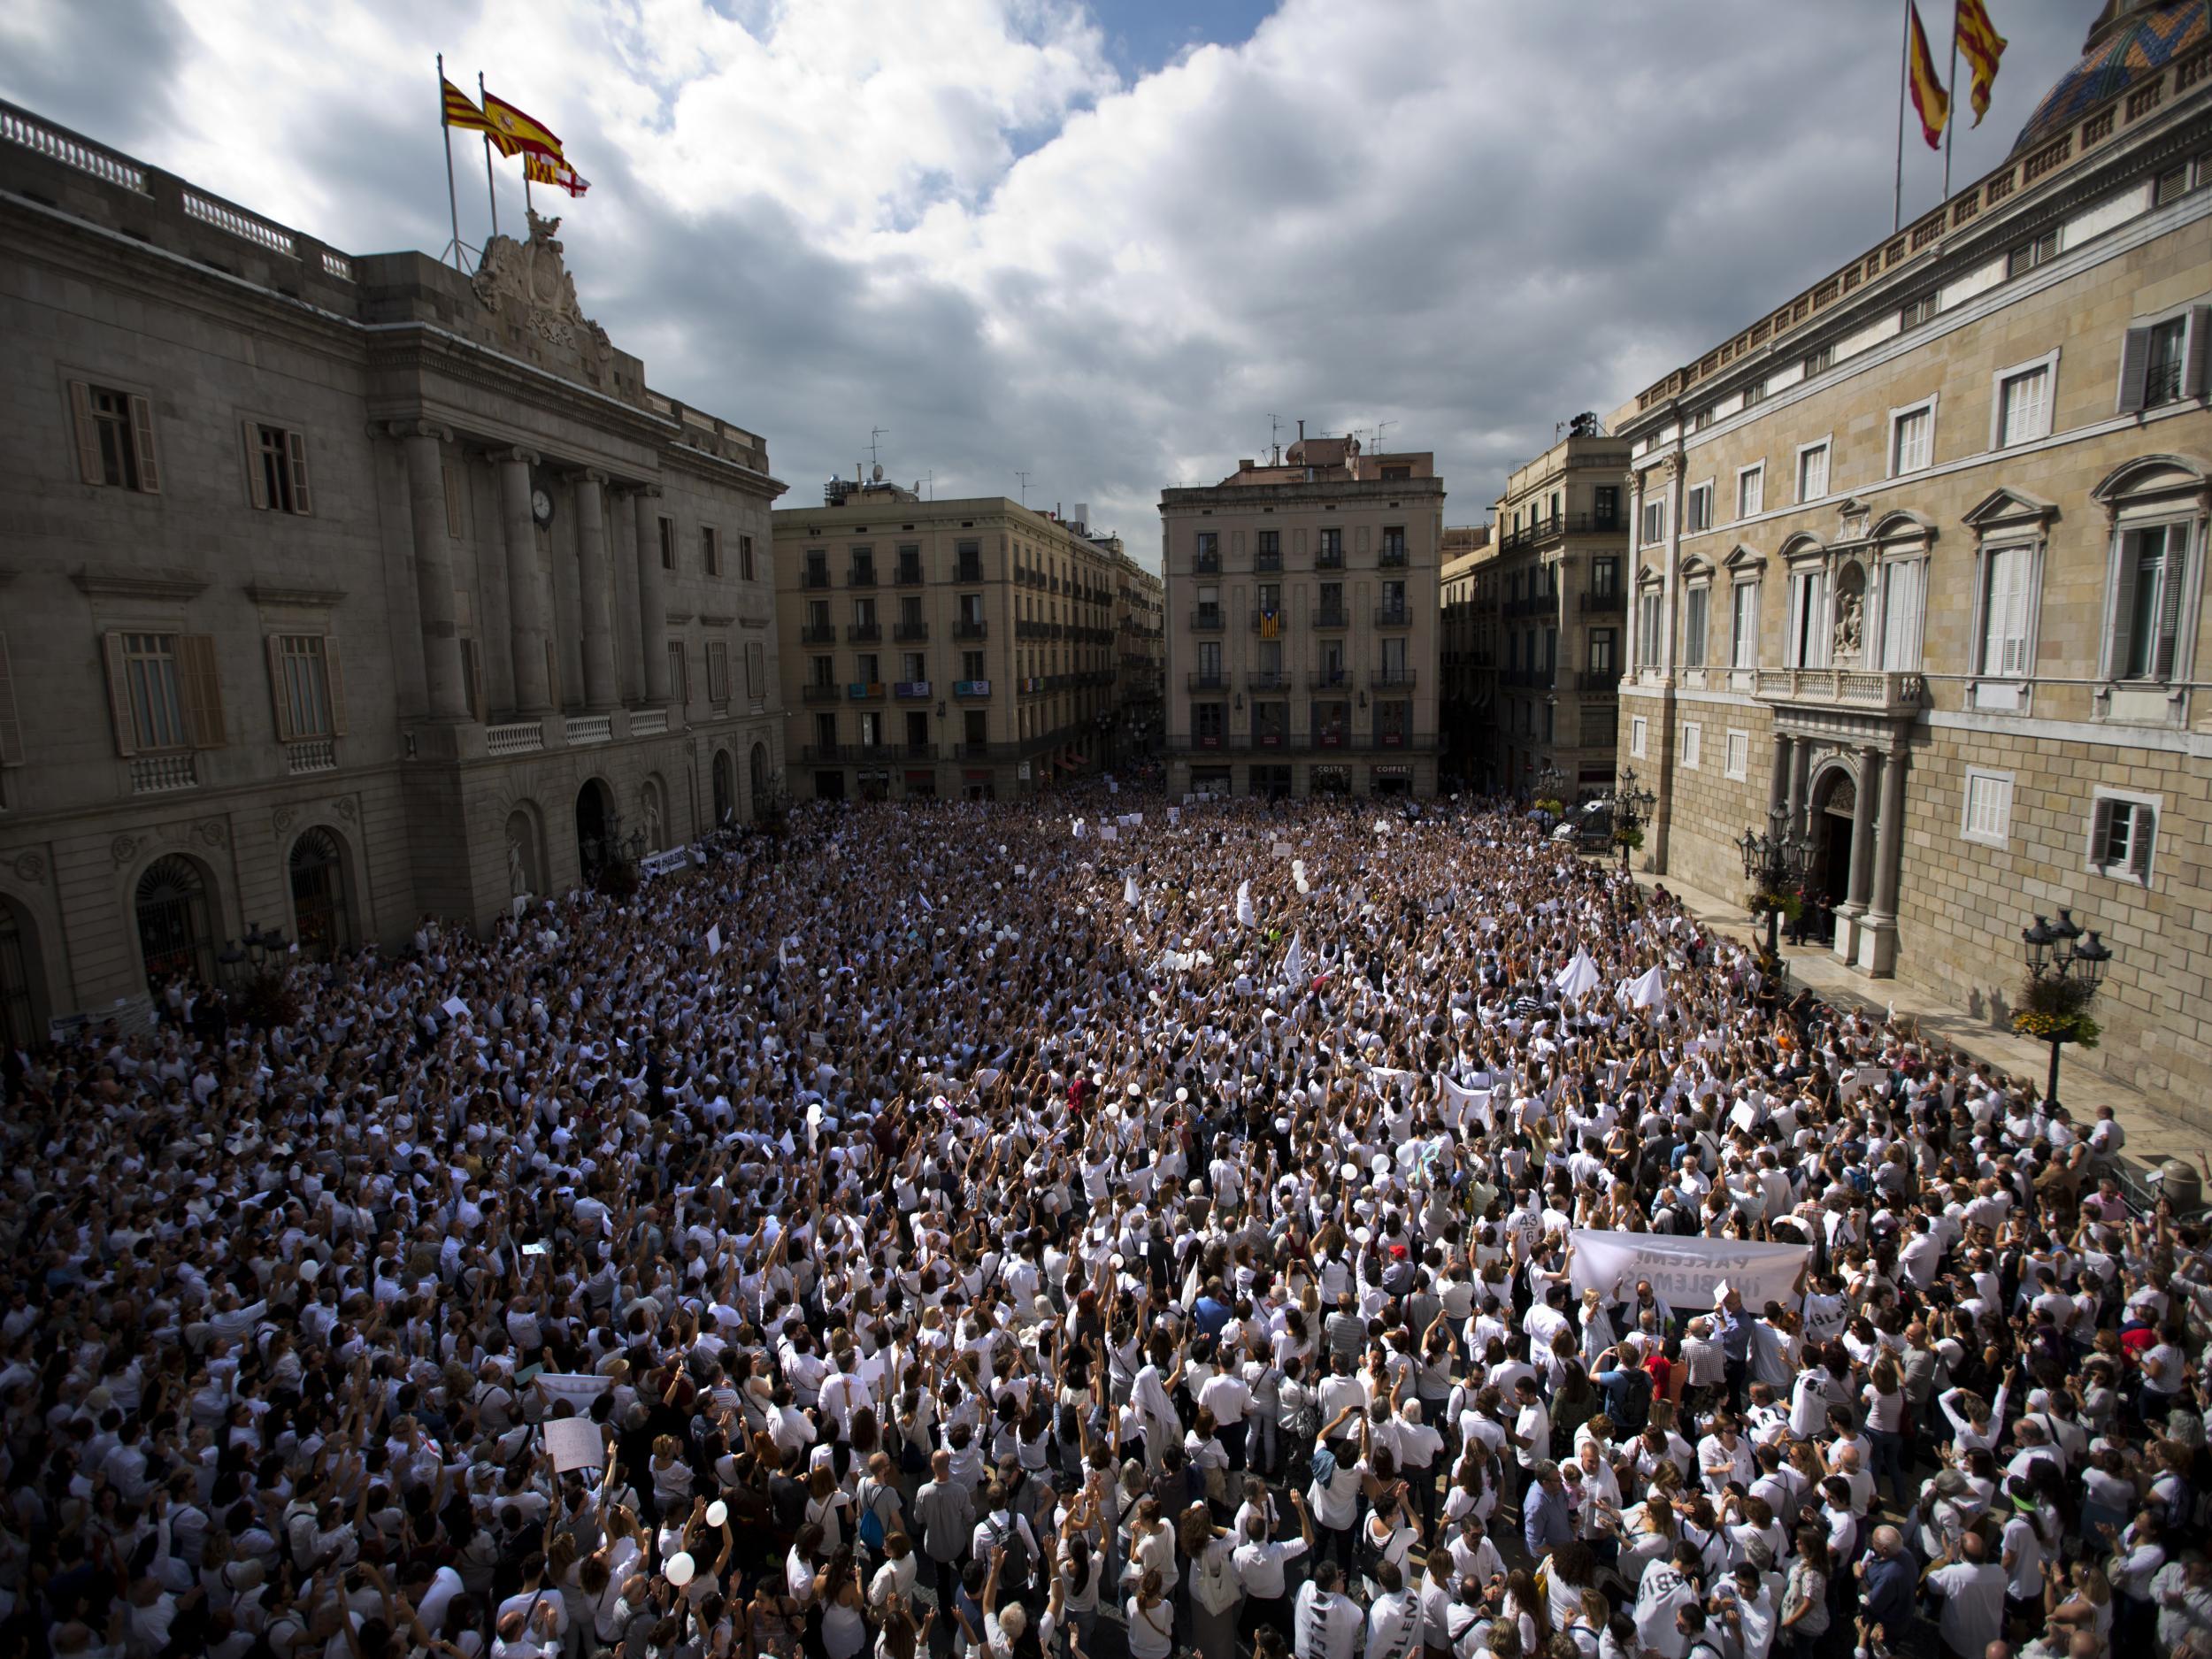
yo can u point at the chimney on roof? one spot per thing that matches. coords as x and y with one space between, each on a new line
1301 432
1245 464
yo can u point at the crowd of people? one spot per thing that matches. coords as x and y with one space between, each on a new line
1097 1228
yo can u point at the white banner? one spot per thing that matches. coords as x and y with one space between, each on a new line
1685 1271
575 1443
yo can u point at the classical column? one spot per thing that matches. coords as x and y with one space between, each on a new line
1778 781
433 571
652 596
526 583
1878 935
1800 772
597 598
1870 777
627 667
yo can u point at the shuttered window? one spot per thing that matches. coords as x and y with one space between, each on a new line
304 684
2147 601
164 692
276 472
2124 837
115 438
2004 649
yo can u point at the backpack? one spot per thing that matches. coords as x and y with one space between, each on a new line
1634 1408
1013 1573
870 1530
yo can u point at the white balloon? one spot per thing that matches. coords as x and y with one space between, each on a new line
679 1569
718 1512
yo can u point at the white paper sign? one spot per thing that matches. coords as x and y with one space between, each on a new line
1175 815
574 1443
579 1388
1108 833
455 1007
1283 849
714 940
1685 1271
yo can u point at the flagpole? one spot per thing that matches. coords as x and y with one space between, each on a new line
1904 75
445 138
1950 123
489 188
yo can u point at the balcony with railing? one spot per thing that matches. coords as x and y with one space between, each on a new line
970 628
1526 679
1598 679
970 691
1206 619
1391 678
863 632
514 737
1330 617
1269 624
821 691
861 576
314 753
969 570
909 574
909 632
1392 556
816 577
158 774
1605 601
1207 680
1207 564
590 728
1559 524
867 691
1393 617
1264 561
1876 691
1329 558
1267 680
818 633
648 722
1329 680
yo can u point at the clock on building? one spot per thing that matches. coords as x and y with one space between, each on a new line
541 506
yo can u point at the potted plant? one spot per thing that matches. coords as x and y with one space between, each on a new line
2055 1010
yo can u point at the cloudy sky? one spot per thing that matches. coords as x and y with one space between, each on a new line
1101 243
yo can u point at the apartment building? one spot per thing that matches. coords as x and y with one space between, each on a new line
341 590
1466 657
1562 577
1301 624
1921 564
961 649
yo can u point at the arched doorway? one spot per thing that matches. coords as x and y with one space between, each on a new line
320 910
1836 802
594 817
22 996
725 790
175 934
524 875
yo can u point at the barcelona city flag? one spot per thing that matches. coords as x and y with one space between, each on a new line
1928 95
538 169
1981 46
515 130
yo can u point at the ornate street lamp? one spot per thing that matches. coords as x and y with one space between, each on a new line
2065 966
1631 810
1775 864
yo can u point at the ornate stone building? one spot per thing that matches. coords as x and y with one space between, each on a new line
1920 563
339 588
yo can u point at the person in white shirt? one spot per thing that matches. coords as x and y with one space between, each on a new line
1394 1618
1260 1560
1973 1591
1328 1622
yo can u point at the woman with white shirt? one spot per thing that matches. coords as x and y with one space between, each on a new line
1149 1619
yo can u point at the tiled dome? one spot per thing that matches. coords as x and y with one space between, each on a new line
2140 42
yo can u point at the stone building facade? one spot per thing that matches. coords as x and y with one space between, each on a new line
1920 563
959 648
1562 575
341 589
1466 653
1301 624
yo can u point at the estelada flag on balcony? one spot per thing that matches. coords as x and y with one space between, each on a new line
1928 95
518 132
538 169
1981 46
1271 623
461 112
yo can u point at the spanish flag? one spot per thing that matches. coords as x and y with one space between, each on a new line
1928 95
538 169
460 111
1983 46
513 129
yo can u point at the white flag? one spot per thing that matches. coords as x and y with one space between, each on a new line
1294 960
1129 896
1647 989
1578 977
1248 913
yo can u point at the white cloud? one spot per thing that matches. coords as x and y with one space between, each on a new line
956 220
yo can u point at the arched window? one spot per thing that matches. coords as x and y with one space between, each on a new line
174 934
319 908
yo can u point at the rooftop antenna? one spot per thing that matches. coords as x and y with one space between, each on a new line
930 478
873 434
1382 426
1274 434
1025 479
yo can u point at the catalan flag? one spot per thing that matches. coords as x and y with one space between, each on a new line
460 111
1982 46
513 129
538 169
1928 95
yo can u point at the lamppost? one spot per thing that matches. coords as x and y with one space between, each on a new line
256 947
2062 980
1631 810
1551 784
1775 864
